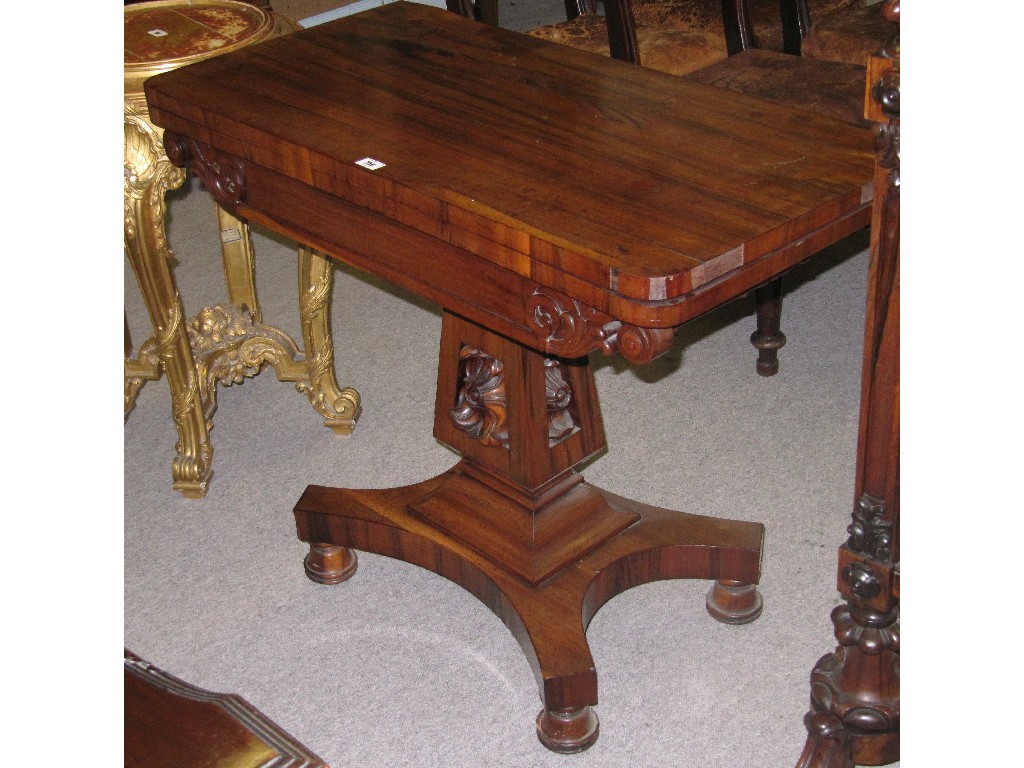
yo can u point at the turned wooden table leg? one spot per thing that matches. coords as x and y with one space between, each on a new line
854 717
855 691
768 339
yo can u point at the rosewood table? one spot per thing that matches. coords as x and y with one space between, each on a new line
554 203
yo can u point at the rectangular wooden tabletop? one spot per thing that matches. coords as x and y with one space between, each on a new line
564 167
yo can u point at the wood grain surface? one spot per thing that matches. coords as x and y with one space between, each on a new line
540 158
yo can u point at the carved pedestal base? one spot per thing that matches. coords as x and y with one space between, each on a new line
549 619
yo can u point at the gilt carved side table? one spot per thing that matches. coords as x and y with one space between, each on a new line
229 342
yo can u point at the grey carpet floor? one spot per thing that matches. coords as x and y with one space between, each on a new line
398 667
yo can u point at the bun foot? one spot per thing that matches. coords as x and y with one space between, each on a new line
566 732
731 602
330 564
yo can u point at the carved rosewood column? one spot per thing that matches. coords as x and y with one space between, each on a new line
854 717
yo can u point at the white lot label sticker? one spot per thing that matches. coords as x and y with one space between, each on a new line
370 164
157 33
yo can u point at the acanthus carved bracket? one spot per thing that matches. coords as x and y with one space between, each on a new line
568 328
223 175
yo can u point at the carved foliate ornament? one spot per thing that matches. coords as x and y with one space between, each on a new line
570 329
870 533
561 421
481 409
223 175
567 327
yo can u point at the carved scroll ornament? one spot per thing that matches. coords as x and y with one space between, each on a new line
223 175
569 328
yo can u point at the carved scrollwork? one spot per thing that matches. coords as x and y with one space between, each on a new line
572 329
870 533
177 149
222 174
862 581
481 408
561 421
567 327
642 345
147 177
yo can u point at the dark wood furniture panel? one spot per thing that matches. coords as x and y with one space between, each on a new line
169 723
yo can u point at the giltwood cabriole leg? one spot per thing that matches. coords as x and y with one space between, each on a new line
239 326
222 344
339 406
768 339
148 175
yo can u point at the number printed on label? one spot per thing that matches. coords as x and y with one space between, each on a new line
370 164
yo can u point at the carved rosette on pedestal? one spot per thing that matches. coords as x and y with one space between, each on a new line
481 410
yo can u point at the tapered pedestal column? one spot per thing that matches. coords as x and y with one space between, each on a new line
516 526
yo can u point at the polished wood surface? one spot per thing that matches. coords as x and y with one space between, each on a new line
428 94
554 204
169 723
